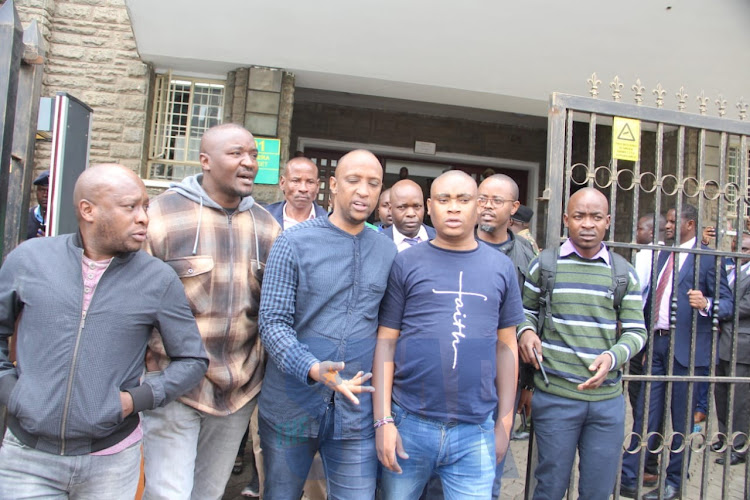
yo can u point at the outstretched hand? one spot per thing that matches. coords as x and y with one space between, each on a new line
327 373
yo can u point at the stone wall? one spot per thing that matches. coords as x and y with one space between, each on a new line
92 55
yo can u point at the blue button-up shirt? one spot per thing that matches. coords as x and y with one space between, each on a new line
321 291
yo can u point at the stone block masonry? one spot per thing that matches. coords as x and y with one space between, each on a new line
92 55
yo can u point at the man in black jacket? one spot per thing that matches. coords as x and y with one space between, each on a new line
83 322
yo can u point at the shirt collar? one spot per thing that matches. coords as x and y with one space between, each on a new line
688 244
289 221
398 238
568 248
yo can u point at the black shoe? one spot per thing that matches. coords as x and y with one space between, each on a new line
736 458
627 491
717 445
670 493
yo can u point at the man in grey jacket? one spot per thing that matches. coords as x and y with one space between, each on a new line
83 318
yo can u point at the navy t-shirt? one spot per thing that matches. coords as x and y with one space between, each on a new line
448 306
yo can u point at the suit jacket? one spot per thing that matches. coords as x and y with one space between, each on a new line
742 305
430 231
277 210
705 284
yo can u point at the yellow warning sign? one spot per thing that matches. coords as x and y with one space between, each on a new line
626 139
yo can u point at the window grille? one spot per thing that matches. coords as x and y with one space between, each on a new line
183 109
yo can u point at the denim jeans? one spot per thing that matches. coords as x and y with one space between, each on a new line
594 428
188 453
29 473
461 454
350 465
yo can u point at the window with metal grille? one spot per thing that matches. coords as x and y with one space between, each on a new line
183 109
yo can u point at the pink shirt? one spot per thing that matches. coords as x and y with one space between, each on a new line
92 273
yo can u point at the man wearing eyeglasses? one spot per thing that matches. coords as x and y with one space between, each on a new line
300 186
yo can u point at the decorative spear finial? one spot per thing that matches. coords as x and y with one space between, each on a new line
594 84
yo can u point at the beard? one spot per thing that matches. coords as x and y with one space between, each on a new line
487 228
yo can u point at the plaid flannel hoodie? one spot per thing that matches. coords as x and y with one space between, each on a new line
220 258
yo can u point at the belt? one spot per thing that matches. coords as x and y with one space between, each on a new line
661 333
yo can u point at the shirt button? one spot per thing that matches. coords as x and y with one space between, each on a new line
91 265
91 276
87 289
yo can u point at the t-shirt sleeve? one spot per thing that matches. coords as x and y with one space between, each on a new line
511 307
392 305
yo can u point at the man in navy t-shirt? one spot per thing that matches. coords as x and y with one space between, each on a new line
446 356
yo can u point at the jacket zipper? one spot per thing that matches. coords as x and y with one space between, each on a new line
229 304
74 362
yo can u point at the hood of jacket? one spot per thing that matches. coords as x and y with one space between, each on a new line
192 189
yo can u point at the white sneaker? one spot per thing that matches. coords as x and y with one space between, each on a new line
250 490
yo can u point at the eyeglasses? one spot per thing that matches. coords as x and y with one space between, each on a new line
496 201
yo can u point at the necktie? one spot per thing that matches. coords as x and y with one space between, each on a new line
662 286
412 241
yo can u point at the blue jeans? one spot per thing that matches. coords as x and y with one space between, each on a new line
29 473
562 425
462 455
188 453
350 465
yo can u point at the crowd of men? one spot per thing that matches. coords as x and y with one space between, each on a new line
366 358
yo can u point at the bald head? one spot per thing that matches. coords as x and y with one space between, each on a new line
453 210
99 179
407 207
589 195
453 176
356 187
502 180
215 135
111 205
357 157
587 219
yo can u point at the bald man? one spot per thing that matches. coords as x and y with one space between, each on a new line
318 321
446 358
407 212
209 229
300 185
579 344
84 320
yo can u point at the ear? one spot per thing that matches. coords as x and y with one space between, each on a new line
609 218
205 161
333 187
565 220
282 182
516 204
429 206
86 209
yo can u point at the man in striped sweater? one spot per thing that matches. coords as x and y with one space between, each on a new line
582 406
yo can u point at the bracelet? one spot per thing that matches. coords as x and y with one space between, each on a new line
382 421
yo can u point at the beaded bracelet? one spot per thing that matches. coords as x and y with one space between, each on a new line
382 421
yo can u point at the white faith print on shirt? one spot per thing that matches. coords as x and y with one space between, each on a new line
458 316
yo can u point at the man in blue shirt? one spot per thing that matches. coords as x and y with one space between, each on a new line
318 321
446 356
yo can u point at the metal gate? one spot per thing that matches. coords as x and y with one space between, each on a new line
662 159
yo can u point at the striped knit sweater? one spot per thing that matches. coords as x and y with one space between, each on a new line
585 325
